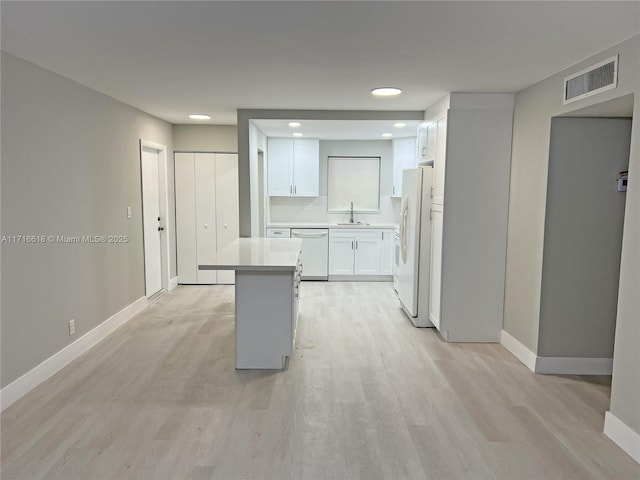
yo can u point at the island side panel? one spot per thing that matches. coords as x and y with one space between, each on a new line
264 308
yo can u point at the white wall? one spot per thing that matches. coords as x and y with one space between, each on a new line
257 141
314 210
476 197
70 166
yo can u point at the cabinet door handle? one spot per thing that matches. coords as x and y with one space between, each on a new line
294 189
356 244
290 190
351 244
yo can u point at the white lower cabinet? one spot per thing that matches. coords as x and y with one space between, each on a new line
266 317
386 252
356 252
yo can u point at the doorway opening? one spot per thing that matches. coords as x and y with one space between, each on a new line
589 150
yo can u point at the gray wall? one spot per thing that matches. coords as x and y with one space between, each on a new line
582 236
205 138
534 108
70 166
244 116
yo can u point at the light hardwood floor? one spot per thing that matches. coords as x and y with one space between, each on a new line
365 396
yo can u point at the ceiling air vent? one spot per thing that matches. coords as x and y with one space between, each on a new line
594 79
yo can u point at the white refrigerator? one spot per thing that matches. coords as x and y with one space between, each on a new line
415 244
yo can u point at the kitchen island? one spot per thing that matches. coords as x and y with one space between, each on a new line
267 279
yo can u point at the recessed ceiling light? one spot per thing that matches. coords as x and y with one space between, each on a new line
400 125
386 91
294 124
297 134
199 116
387 135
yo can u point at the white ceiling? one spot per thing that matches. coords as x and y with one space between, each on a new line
339 129
174 58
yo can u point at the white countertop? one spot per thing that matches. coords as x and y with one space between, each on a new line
271 254
332 225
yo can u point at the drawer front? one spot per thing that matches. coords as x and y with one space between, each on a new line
278 232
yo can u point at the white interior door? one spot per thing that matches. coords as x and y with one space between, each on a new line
435 289
151 221
227 207
205 181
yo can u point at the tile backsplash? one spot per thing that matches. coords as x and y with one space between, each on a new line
314 210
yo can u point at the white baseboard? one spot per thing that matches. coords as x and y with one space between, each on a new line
173 283
574 365
623 435
556 365
34 377
518 350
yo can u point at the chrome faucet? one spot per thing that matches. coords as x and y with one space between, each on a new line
351 220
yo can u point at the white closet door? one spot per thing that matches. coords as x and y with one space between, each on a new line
205 182
186 218
227 206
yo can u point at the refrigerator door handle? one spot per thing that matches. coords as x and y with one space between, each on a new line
404 211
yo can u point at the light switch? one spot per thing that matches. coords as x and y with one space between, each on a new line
128 212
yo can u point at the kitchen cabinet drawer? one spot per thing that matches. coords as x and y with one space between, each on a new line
278 232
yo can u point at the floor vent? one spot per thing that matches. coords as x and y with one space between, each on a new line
594 79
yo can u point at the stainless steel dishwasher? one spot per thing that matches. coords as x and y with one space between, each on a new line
315 252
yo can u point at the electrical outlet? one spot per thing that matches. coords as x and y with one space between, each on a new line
72 326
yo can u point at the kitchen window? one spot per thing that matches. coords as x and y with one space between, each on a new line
353 179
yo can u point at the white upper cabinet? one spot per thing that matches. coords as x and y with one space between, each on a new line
280 167
293 167
404 156
440 159
306 168
421 143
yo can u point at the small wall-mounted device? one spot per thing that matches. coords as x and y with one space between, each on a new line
622 181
